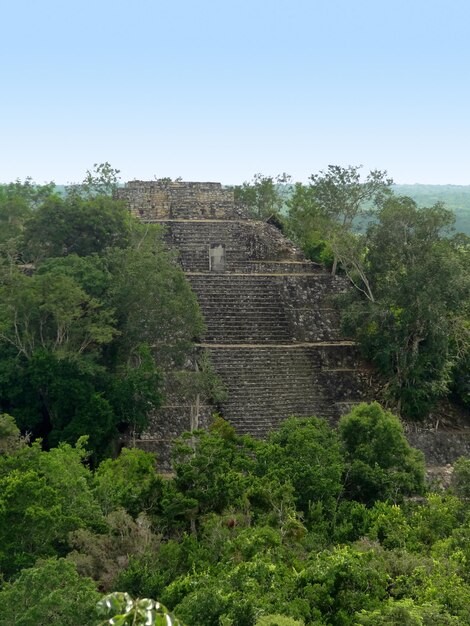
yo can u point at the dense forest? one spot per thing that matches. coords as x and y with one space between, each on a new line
316 525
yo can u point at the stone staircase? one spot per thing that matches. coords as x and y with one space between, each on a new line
245 242
267 383
241 309
276 306
272 331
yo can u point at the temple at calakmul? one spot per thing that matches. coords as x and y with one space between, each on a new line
273 334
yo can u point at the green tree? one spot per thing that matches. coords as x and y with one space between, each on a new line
278 620
74 225
10 436
91 273
415 329
407 613
342 198
435 520
61 399
305 452
14 210
43 496
129 481
461 478
381 465
235 592
389 524
442 589
308 225
85 339
264 196
211 473
103 180
135 389
32 194
339 582
52 333
104 555
52 593
52 313
18 201
150 572
460 384
153 299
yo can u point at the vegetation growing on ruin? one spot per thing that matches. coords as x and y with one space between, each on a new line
313 526
92 309
409 269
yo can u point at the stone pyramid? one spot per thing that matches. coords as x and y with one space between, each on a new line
272 332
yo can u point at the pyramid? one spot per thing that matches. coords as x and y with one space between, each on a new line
273 333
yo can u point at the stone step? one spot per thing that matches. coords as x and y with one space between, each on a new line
243 241
267 385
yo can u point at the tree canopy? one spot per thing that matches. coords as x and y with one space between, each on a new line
314 526
409 302
93 309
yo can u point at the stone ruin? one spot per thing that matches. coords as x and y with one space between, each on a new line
273 334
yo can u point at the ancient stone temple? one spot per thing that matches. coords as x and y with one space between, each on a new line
272 332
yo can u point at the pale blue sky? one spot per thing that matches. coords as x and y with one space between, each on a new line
221 90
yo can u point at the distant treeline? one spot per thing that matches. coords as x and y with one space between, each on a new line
455 197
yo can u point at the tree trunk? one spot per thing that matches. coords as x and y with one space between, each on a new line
335 265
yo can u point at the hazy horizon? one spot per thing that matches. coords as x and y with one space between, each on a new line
229 184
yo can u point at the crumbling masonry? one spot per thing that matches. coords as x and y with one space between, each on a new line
272 332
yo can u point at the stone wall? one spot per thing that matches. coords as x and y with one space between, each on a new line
157 200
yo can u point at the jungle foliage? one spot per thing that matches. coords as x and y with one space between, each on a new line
93 308
314 526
